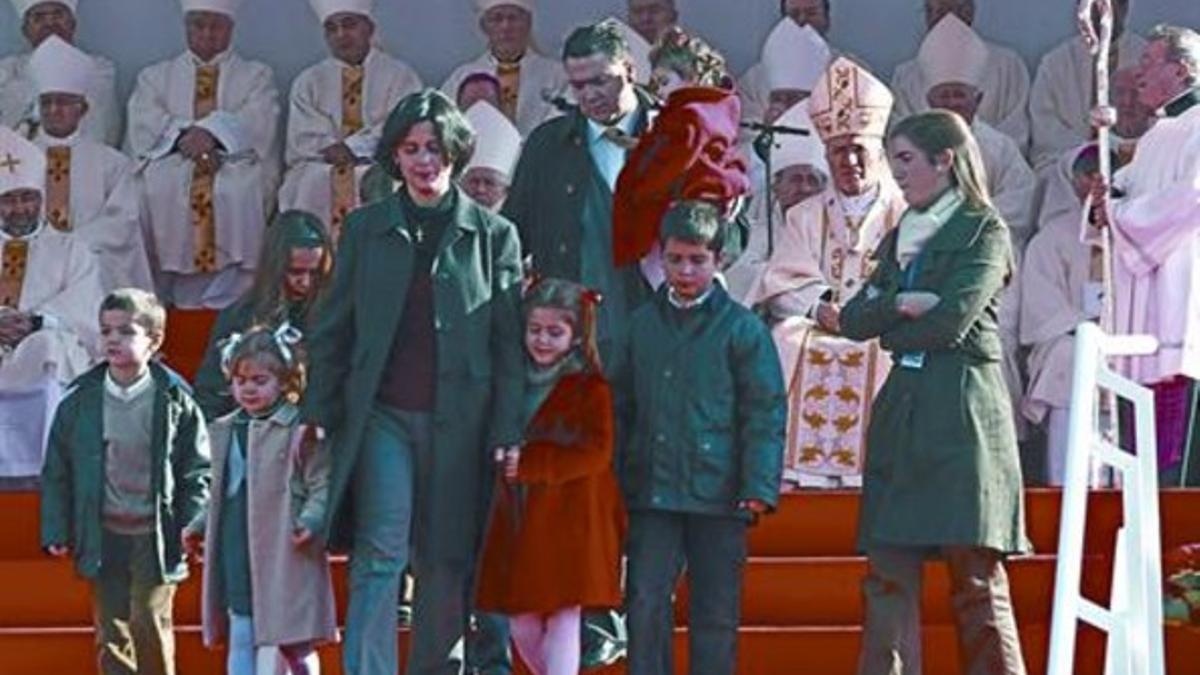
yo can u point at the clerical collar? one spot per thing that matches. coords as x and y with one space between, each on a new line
624 125
363 64
45 140
682 303
130 391
857 206
215 61
6 236
507 62
1182 103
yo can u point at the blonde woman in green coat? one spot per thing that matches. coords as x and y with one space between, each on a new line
942 474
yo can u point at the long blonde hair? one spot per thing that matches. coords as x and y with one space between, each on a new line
935 132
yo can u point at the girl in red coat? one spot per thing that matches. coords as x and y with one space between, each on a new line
554 543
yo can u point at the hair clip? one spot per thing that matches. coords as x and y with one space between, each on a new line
591 297
287 337
228 346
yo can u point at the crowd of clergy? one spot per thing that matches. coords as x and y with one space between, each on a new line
175 191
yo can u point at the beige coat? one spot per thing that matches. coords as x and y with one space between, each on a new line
293 595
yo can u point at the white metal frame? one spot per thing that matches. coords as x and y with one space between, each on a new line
1133 620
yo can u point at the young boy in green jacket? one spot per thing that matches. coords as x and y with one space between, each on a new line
706 402
127 469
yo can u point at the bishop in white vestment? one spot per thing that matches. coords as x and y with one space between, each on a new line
1063 93
488 175
953 62
1061 287
1156 236
528 80
204 127
91 189
49 303
1004 85
800 172
823 256
753 87
18 93
338 108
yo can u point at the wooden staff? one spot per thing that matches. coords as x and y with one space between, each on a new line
1095 18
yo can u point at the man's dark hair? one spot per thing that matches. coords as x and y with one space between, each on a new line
598 38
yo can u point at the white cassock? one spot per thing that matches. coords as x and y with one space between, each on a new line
1005 87
789 150
822 251
1011 183
1012 186
1060 102
1156 239
61 282
1061 287
245 121
742 276
103 196
754 92
327 108
538 75
18 98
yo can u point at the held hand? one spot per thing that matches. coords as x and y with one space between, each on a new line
512 463
58 550
193 544
338 154
829 317
301 536
755 506
14 326
1100 203
310 434
196 143
1103 116
914 304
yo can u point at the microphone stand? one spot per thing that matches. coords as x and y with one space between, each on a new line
763 144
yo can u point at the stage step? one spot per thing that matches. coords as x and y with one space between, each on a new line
778 592
828 650
801 602
815 523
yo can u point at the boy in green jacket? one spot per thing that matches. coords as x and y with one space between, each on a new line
705 400
127 468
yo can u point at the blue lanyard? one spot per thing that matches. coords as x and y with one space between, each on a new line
911 272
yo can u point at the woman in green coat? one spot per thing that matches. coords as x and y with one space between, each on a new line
942 475
417 372
293 268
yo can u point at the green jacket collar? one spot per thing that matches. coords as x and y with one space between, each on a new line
466 215
960 231
164 377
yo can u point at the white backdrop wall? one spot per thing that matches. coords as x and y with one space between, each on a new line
436 35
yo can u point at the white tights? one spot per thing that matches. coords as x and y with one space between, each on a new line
245 659
548 643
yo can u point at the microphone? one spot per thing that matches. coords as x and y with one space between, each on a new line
775 129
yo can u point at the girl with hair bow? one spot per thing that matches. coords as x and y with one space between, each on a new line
266 577
554 545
